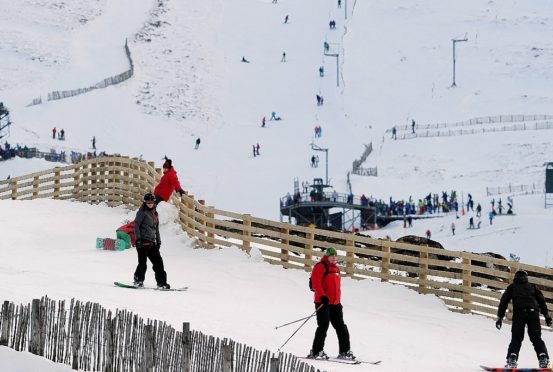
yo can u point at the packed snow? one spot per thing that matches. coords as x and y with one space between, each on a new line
395 61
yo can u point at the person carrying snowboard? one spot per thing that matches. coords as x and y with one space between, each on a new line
528 302
169 182
148 243
326 283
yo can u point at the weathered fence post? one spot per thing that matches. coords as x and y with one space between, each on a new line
76 336
467 283
210 224
227 358
202 221
57 181
190 214
4 335
13 185
148 356
36 184
109 338
423 264
385 271
186 347
285 241
246 234
274 366
36 328
350 245
310 237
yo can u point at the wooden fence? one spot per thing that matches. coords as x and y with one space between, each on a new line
88 337
112 80
466 282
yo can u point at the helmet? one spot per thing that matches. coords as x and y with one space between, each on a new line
521 275
149 197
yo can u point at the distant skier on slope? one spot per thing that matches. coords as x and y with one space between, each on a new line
169 182
528 302
326 283
148 243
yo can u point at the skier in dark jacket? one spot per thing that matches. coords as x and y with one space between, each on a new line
148 243
528 302
326 282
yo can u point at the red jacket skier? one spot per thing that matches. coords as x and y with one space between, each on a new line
326 281
169 183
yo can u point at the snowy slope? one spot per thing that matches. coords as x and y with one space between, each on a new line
232 294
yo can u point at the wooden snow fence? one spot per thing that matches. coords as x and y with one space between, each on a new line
88 337
466 282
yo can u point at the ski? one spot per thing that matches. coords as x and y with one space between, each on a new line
345 361
505 369
130 286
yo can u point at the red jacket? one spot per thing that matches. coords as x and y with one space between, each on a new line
328 286
169 183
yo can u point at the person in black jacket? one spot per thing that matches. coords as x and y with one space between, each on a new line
528 302
148 243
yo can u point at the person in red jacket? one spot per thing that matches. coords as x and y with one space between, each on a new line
325 279
169 182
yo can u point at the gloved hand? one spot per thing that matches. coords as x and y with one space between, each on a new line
139 243
498 323
548 320
181 192
325 300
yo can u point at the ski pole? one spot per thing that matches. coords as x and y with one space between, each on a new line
296 331
295 321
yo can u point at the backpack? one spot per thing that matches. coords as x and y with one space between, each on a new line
325 274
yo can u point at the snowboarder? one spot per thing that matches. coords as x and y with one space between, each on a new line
169 182
286 19
491 215
54 133
245 60
321 71
528 302
394 133
453 228
94 142
283 59
257 147
254 152
318 99
413 126
428 234
263 122
471 223
326 282
339 3
198 140
410 220
326 46
313 161
148 243
478 210
62 134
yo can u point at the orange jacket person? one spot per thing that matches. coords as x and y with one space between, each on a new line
169 183
326 282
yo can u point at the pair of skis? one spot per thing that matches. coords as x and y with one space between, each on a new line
344 361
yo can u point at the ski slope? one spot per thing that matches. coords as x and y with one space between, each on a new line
395 66
232 294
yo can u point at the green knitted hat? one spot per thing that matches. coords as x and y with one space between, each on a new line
331 252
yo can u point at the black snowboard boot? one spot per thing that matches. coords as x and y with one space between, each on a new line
543 360
512 361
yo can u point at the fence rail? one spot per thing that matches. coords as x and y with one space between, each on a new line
466 282
476 121
534 188
88 337
356 166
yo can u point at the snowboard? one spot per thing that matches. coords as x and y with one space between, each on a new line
505 369
109 244
130 286
344 361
